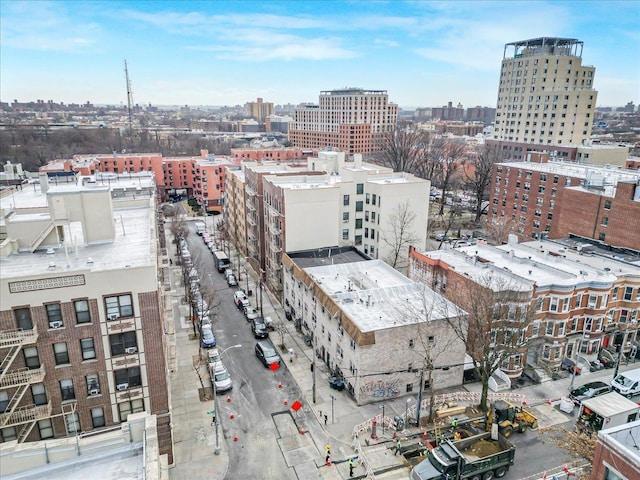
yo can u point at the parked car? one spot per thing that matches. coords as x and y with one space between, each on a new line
588 390
266 353
207 339
259 328
241 300
214 356
204 320
250 312
232 281
221 379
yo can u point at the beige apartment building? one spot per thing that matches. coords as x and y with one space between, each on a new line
371 324
331 202
585 299
352 120
82 340
545 93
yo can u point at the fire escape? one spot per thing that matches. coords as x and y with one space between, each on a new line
16 382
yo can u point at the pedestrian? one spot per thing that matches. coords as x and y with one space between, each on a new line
457 436
454 422
352 465
398 446
171 262
327 459
327 450
325 419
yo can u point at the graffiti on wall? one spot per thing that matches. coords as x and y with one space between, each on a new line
381 388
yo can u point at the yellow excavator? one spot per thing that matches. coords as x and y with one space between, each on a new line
510 417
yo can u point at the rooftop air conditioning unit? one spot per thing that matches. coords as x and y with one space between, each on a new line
55 324
113 316
131 349
122 386
93 392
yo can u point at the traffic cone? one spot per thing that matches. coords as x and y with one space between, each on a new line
279 384
286 402
228 399
302 431
549 402
231 416
328 461
424 435
524 403
235 438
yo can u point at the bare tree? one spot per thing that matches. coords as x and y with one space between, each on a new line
500 312
402 149
450 222
498 229
451 163
179 230
399 235
479 173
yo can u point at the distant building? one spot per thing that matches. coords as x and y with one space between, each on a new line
278 123
546 198
486 115
259 110
448 112
616 455
545 94
352 120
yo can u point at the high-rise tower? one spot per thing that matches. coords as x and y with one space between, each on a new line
546 95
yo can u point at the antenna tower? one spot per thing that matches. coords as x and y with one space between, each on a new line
129 96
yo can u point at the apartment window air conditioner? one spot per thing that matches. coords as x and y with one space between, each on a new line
113 316
131 349
93 392
122 386
55 324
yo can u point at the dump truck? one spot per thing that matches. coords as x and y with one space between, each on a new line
606 411
510 418
474 458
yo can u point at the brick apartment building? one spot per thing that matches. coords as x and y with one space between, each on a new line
351 120
81 315
616 455
543 197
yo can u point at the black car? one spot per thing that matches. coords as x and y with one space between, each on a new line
259 328
266 353
588 390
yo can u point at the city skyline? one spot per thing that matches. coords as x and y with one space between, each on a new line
229 53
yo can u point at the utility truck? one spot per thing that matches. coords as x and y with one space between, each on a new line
478 457
606 411
200 228
221 260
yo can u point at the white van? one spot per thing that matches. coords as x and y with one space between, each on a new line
627 383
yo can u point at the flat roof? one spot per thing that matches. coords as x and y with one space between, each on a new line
377 297
610 404
326 256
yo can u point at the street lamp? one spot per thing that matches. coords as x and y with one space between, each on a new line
332 400
259 269
215 403
406 411
382 407
575 367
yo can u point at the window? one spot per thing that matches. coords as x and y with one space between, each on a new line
31 359
367 198
409 387
23 318
345 234
607 204
45 429
122 343
54 315
118 306
373 199
602 236
345 200
352 344
97 417
127 408
345 217
4 400
73 422
88 349
553 305
628 293
127 376
93 384
358 223
358 240
82 311
61 353
373 234
38 393
359 206
605 221
66 390
411 343
360 188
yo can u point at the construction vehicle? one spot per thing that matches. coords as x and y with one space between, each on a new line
475 457
510 417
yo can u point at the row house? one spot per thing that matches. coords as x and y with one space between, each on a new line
583 302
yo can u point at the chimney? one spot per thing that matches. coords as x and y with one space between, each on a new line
44 182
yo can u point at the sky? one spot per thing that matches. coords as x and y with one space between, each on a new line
423 53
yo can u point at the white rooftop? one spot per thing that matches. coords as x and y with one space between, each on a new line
377 297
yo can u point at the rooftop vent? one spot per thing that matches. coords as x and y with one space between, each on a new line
50 251
89 261
52 265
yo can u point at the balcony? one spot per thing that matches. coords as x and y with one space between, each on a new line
275 248
23 376
18 338
26 414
